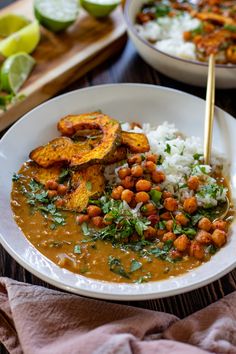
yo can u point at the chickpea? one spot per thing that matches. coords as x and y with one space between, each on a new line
107 219
203 237
171 204
175 254
62 189
123 172
168 236
182 243
166 194
128 182
196 250
154 219
157 188
59 203
169 225
50 184
152 157
82 218
231 54
150 233
51 194
137 171
142 197
148 209
182 219
205 224
127 195
116 193
134 238
158 176
190 205
220 224
193 183
160 232
94 210
218 238
150 166
134 159
143 185
97 221
166 216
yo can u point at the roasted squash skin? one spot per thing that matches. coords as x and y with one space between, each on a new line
66 150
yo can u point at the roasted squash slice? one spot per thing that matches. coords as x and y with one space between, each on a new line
136 142
84 184
64 149
87 183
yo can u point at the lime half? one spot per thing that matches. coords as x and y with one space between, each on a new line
99 8
56 15
24 40
11 23
15 70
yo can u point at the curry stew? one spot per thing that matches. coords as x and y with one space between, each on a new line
127 228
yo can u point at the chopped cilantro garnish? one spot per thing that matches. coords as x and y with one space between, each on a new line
144 278
168 149
117 267
135 265
77 249
155 196
162 10
231 28
85 229
16 177
89 186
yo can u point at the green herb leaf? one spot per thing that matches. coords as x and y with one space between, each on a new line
77 249
155 196
231 28
16 177
89 186
135 265
168 149
117 267
85 229
162 10
143 279
197 156
211 249
64 175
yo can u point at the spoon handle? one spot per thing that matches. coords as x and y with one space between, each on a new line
209 112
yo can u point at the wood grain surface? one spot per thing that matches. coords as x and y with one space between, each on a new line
129 67
64 57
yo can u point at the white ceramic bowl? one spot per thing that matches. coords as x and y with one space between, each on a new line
131 102
188 71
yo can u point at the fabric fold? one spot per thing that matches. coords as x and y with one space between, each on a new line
34 319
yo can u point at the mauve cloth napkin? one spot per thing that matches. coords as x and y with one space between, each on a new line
34 319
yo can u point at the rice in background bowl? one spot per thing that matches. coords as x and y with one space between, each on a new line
185 69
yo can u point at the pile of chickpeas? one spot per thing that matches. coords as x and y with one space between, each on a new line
136 181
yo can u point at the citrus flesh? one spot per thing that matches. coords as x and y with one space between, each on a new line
15 70
99 8
26 40
11 23
56 15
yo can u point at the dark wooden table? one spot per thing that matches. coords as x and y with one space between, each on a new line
129 67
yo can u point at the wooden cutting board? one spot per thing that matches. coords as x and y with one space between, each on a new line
65 57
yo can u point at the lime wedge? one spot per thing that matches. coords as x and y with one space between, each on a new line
56 15
99 8
11 23
24 40
15 70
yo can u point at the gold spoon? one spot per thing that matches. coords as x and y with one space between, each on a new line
209 119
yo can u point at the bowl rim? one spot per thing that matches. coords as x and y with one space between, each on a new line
134 32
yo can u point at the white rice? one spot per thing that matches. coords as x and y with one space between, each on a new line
166 34
178 163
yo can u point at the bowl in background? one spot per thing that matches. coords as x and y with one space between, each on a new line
191 72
